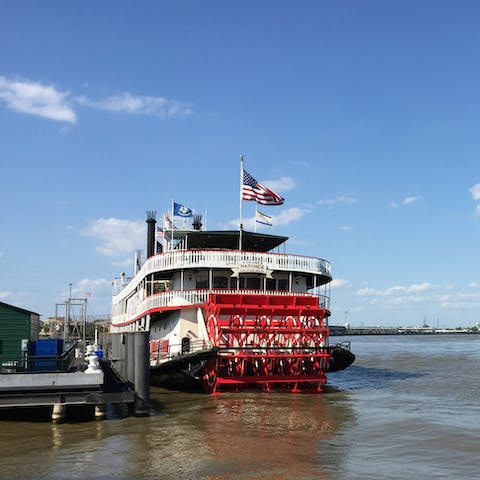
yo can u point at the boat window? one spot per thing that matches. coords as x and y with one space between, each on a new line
185 345
161 286
220 282
270 284
283 283
253 283
241 282
201 281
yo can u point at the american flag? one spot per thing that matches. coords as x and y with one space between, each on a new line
252 190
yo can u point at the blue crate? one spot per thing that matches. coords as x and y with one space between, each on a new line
48 347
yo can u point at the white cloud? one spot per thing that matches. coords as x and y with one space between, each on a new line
36 99
411 200
345 228
129 103
403 299
90 286
339 200
459 305
116 236
5 294
460 300
422 297
406 201
47 101
283 184
460 295
128 262
475 191
288 216
339 283
410 289
362 292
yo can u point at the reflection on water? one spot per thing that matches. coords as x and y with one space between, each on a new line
189 436
241 436
407 409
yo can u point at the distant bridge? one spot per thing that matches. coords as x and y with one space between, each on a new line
339 330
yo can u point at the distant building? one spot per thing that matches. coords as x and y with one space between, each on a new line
52 327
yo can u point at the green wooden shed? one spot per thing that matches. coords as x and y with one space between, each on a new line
17 327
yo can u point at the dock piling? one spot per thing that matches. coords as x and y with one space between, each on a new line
58 412
130 357
100 411
142 375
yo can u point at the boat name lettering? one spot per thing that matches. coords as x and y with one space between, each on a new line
251 267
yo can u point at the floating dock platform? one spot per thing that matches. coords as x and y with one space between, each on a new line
59 389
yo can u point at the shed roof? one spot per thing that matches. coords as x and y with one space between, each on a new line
17 309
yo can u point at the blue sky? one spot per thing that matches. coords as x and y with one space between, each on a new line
363 115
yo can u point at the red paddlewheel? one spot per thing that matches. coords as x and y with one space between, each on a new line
267 341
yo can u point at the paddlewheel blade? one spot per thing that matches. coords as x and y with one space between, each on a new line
271 342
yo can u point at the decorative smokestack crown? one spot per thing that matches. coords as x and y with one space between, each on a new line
197 221
151 215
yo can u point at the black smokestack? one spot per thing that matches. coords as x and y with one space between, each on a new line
151 222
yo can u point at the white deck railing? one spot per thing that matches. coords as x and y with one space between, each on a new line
177 298
178 259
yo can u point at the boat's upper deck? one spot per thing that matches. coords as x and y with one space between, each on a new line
204 262
239 262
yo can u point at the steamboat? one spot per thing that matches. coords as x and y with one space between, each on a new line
229 310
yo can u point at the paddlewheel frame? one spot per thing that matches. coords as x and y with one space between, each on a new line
267 342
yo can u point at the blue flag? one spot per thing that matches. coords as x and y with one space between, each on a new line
181 210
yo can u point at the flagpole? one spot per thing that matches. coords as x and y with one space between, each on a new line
172 219
241 204
256 208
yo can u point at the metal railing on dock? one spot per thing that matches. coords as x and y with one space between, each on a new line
39 363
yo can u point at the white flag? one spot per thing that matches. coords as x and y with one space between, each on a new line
262 218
